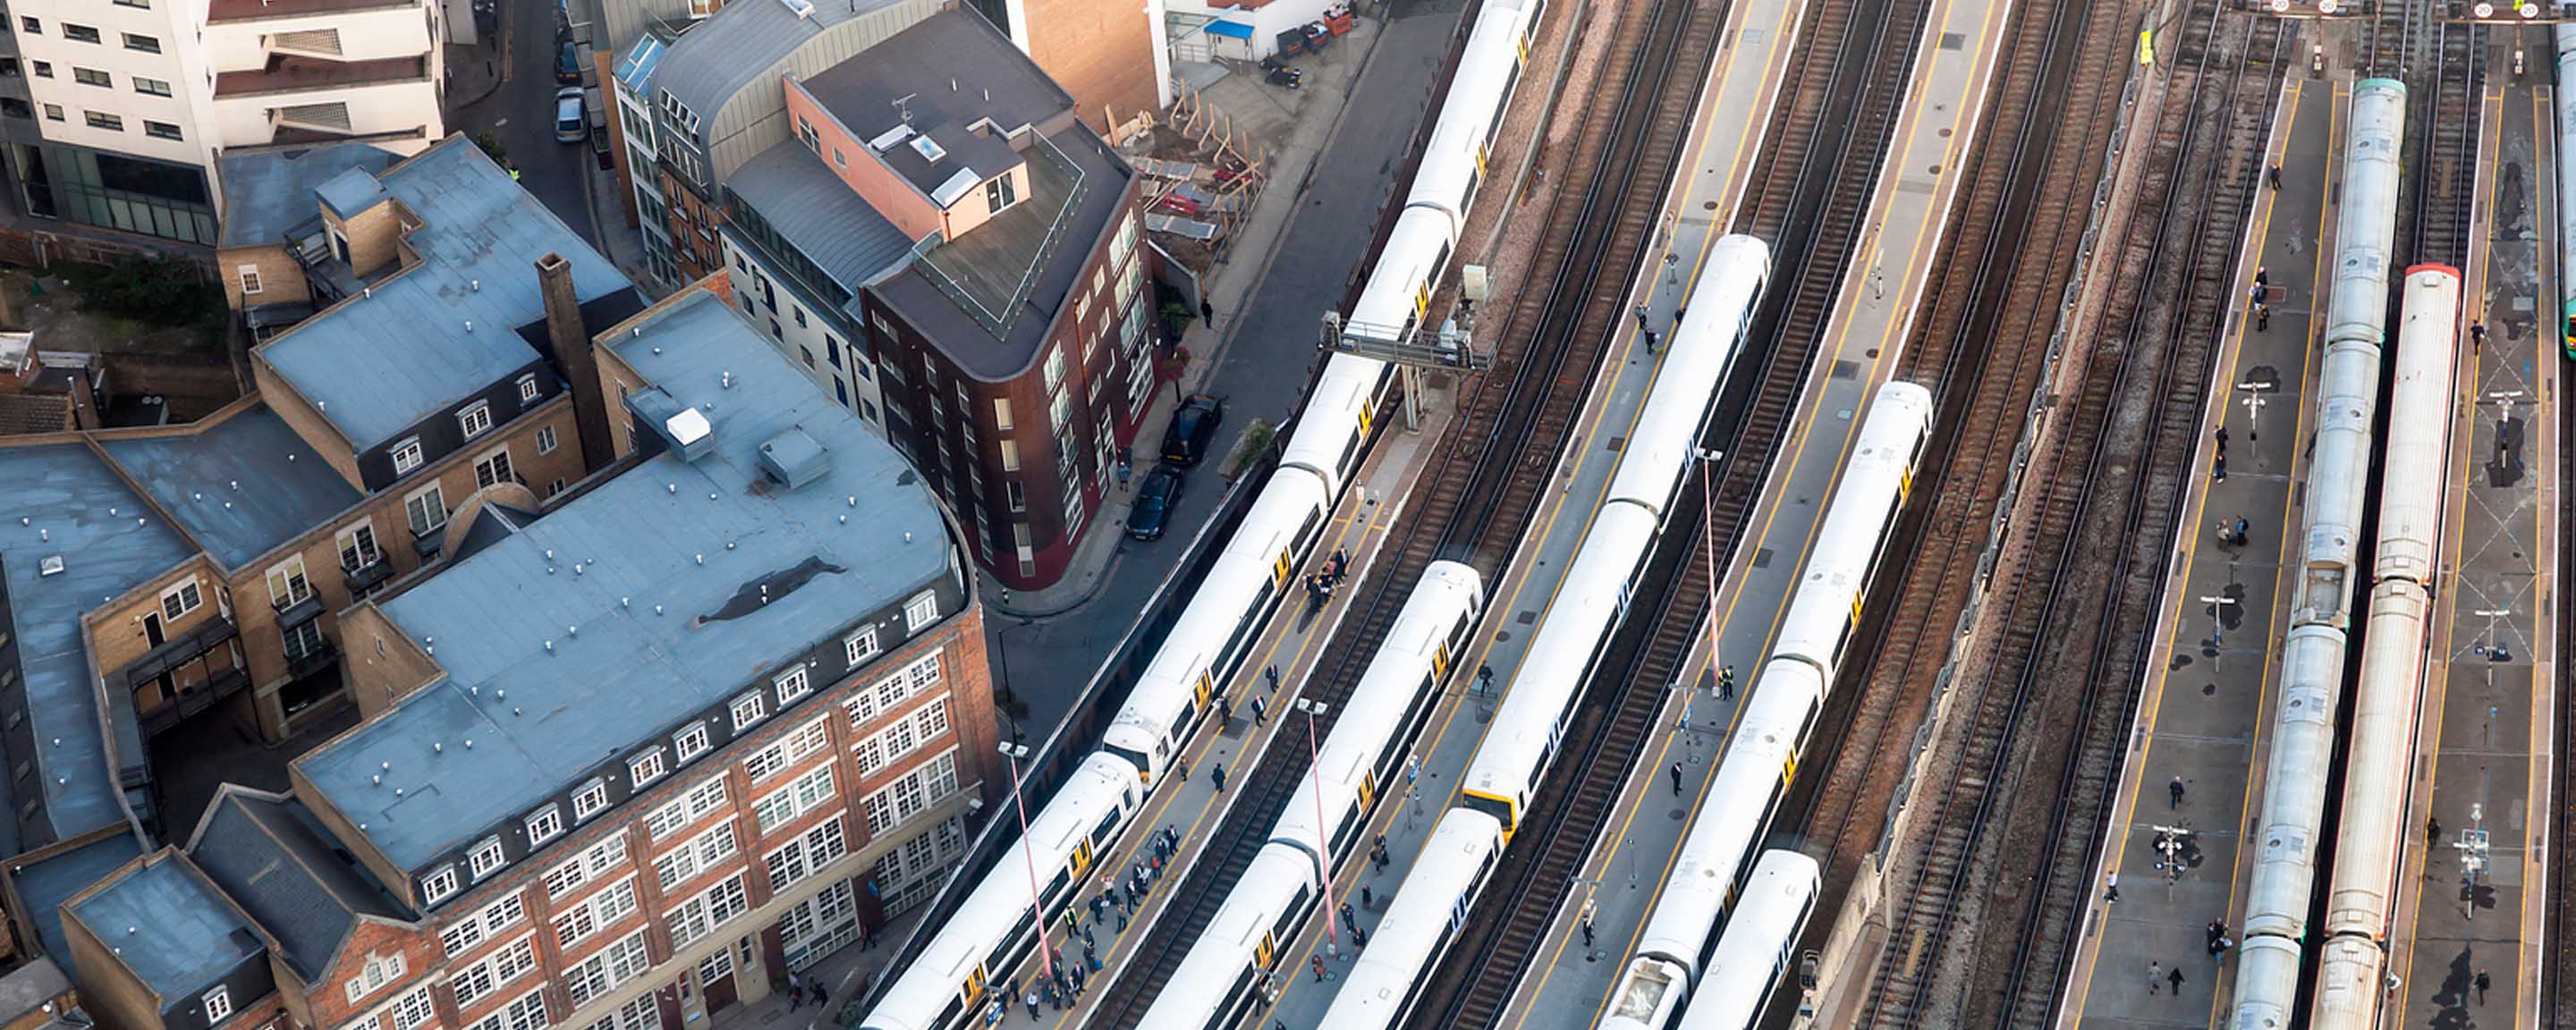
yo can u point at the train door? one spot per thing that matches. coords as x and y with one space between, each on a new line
973 990
1081 861
1280 567
1204 687
1265 952
1368 789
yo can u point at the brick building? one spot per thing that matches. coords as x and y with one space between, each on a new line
623 762
949 250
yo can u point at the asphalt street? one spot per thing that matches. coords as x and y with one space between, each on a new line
521 113
1047 662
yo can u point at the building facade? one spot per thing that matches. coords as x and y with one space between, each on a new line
117 115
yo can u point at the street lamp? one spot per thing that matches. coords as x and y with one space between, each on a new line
2254 403
1315 771
1708 543
1028 856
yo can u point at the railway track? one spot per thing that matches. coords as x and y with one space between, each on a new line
2394 34
2436 225
1477 502
2558 967
2032 752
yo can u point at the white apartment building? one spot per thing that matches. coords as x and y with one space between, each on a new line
115 113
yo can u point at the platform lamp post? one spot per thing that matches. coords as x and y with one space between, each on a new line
1315 771
1708 546
2254 402
1029 858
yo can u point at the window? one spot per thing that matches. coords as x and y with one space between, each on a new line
589 865
545 439
287 586
53 112
79 33
602 909
147 5
699 854
555 487
699 916
527 388
145 44
793 800
1010 455
219 1004
407 456
482 978
1002 414
493 468
180 599
358 546
691 742
903 736
109 122
800 318
161 130
921 611
1000 193
926 785
1017 495
812 850
545 823
704 798
438 885
30 26
92 77
485 858
378 971
748 709
412 1011
44 69
645 768
527 1012
860 646
428 510
806 740
792 685
249 279
476 419
590 801
613 965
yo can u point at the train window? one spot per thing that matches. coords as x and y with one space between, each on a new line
1226 1013
1055 886
1351 449
956 1007
1108 828
1349 828
1500 809
1133 757
1283 927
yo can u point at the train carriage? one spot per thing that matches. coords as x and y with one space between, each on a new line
1754 956
1421 922
1217 632
953 981
1665 440
1857 529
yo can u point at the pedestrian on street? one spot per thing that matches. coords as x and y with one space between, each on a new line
1218 774
1183 765
2432 830
1349 918
2262 292
2218 468
1316 963
1679 306
1271 673
1367 900
2111 888
1033 1004
2242 527
2262 277
1485 677
2273 176
1677 779
2477 336
2262 318
1587 928
1726 684
1652 342
2174 791
1207 312
2174 976
821 997
2482 983
795 991
2155 977
1641 318
1260 712
2221 437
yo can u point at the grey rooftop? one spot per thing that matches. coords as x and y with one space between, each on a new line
268 192
45 883
242 486
269 854
743 41
169 926
74 507
351 192
425 338
609 620
821 216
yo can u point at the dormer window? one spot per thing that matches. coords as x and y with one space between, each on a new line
1000 193
475 420
528 388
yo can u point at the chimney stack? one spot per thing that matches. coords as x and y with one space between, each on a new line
85 413
573 352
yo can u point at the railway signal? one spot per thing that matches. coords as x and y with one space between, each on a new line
2493 12
2311 8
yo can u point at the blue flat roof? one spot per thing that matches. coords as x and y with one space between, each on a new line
169 926
77 509
378 364
1235 29
241 486
630 673
268 192
44 884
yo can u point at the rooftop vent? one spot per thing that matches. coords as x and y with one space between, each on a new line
886 140
803 8
51 564
794 458
928 148
686 430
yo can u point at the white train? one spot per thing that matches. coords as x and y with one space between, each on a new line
1220 980
2566 36
1788 694
2363 888
2312 656
1754 954
1593 594
1380 989
1209 643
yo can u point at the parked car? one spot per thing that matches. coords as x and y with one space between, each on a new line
567 63
1193 428
1151 514
570 125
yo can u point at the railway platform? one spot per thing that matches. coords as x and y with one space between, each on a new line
2470 899
1570 981
2176 859
1291 640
